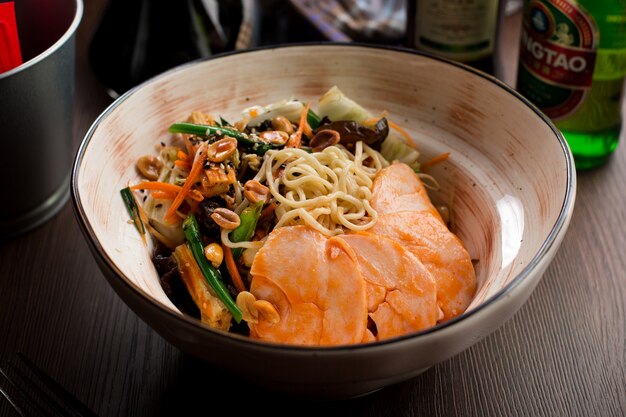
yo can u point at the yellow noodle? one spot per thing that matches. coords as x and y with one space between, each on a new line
429 181
328 190
247 245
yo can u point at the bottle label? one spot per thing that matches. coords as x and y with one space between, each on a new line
459 29
557 55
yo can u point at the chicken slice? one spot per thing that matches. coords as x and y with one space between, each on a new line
315 284
397 188
401 292
428 238
407 215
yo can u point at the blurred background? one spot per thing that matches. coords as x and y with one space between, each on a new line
137 39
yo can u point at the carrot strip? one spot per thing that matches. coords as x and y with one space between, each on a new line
232 268
182 156
156 186
437 159
196 169
195 195
182 164
190 148
296 137
164 195
403 132
304 121
193 204
370 122
393 125
160 189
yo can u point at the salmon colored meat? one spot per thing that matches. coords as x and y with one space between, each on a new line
403 275
401 292
318 290
407 216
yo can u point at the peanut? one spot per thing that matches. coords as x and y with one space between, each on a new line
267 311
252 309
254 191
226 219
282 124
214 254
222 149
149 166
245 301
275 137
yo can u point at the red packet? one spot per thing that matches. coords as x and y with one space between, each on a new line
10 54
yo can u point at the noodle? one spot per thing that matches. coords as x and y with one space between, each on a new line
429 181
247 245
328 190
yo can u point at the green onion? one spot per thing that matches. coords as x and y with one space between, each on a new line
192 129
194 241
133 210
258 148
224 122
312 119
244 232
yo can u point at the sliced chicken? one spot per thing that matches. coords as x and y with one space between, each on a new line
315 284
401 292
407 216
397 188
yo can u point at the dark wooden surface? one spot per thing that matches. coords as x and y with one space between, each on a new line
562 354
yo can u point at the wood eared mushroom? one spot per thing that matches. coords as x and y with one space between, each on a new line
351 132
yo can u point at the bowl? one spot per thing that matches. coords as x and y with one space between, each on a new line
510 178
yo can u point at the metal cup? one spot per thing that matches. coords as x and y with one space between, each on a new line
36 116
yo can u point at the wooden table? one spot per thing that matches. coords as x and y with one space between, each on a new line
562 354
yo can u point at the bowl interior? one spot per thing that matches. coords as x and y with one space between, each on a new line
506 178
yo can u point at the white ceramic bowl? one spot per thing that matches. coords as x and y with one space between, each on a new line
510 174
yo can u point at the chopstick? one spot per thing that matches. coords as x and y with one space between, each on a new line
10 53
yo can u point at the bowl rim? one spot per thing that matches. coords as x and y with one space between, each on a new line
561 221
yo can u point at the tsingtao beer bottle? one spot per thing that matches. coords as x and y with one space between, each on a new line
572 66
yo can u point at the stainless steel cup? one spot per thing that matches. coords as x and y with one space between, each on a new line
36 116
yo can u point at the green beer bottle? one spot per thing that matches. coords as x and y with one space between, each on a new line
462 30
572 66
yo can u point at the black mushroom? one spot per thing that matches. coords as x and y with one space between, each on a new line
351 132
206 208
171 281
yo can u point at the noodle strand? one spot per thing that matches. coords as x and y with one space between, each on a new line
328 190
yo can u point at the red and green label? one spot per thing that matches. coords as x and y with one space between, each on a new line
557 55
